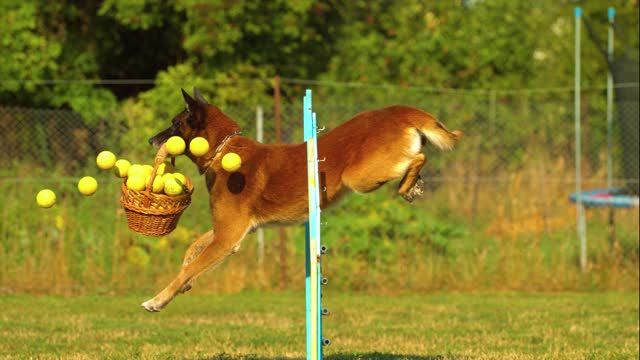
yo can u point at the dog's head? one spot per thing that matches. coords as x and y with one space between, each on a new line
189 123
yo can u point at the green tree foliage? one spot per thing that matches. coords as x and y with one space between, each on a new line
53 52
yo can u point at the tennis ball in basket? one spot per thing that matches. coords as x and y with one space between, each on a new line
163 168
87 186
148 169
105 160
136 182
181 178
158 185
199 146
121 168
135 169
231 162
46 198
172 186
175 145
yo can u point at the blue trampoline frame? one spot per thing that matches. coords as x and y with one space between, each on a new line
609 197
612 197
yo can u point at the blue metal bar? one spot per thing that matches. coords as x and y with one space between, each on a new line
312 247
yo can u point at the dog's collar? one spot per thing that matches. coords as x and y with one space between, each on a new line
224 141
207 164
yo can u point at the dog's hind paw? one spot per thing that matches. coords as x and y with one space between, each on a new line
151 306
186 288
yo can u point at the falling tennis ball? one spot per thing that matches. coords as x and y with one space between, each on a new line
46 198
87 186
175 145
158 185
136 182
172 186
121 168
199 146
105 160
231 162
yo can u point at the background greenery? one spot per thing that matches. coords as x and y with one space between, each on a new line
80 77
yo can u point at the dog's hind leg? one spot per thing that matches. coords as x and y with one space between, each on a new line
194 250
411 186
230 230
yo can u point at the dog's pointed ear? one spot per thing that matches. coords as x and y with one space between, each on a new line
199 97
197 111
191 103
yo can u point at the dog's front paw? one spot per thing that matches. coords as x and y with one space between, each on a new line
152 305
416 191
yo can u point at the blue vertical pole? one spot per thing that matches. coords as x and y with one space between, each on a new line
310 333
312 249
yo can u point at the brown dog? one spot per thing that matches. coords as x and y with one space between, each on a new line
362 154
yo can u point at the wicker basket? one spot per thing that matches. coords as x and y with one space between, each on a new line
154 214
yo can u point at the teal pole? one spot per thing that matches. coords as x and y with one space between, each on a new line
312 236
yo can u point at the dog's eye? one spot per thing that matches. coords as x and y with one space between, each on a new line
191 121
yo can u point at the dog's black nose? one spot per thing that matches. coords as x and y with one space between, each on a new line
150 141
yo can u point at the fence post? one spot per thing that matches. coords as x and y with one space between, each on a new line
281 234
612 14
580 210
260 138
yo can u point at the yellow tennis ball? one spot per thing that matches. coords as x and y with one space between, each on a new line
172 187
87 186
46 198
175 145
105 160
147 169
162 168
158 185
166 177
180 177
135 169
121 168
137 182
231 162
199 146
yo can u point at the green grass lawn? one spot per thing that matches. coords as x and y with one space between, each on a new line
271 326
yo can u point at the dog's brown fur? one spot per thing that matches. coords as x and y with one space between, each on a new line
361 155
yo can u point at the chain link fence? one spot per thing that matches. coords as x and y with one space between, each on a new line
504 130
509 178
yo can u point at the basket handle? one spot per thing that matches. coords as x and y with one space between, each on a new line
160 157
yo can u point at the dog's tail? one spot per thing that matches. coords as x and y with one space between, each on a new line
438 134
